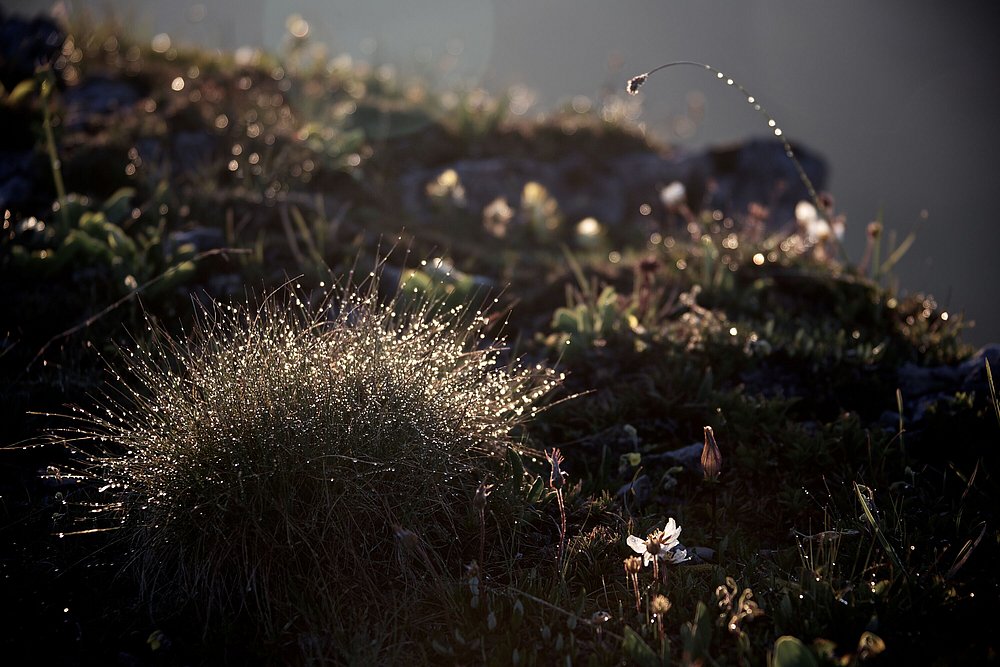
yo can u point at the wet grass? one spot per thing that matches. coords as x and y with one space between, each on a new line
203 472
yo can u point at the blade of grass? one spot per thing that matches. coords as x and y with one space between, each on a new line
897 254
965 552
870 516
899 406
993 391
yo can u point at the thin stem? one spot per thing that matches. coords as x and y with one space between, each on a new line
715 502
562 527
47 84
633 89
482 535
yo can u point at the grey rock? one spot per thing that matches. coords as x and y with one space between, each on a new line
689 457
973 370
202 238
636 492
97 96
700 555
924 386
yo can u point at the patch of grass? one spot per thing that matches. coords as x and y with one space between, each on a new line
287 460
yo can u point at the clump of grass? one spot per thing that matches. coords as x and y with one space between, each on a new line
269 461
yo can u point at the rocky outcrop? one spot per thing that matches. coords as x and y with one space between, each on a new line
924 386
728 178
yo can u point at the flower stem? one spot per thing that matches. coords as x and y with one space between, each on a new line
715 503
482 536
562 527
47 84
636 82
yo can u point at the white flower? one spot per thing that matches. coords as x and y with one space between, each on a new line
660 544
673 195
588 227
805 213
818 231
676 556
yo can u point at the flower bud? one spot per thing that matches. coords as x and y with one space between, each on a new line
711 457
635 82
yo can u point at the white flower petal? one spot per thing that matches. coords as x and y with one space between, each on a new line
671 533
647 558
678 556
638 545
805 212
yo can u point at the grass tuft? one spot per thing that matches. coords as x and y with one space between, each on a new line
271 460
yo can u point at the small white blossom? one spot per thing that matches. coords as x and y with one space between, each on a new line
805 213
673 195
659 545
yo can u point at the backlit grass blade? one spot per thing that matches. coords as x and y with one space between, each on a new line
878 530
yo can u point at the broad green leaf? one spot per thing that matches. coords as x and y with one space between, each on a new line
638 651
790 652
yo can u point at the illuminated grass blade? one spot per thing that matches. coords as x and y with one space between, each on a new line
993 391
878 530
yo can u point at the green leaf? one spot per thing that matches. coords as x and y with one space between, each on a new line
440 648
516 466
21 92
536 491
638 651
566 321
696 635
790 652
516 616
118 207
629 460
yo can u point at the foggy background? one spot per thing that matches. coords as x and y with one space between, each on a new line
900 96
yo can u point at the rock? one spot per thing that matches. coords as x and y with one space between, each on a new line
728 178
700 555
759 171
202 238
917 380
689 457
973 370
97 96
925 386
636 492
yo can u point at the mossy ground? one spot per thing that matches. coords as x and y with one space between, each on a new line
858 524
